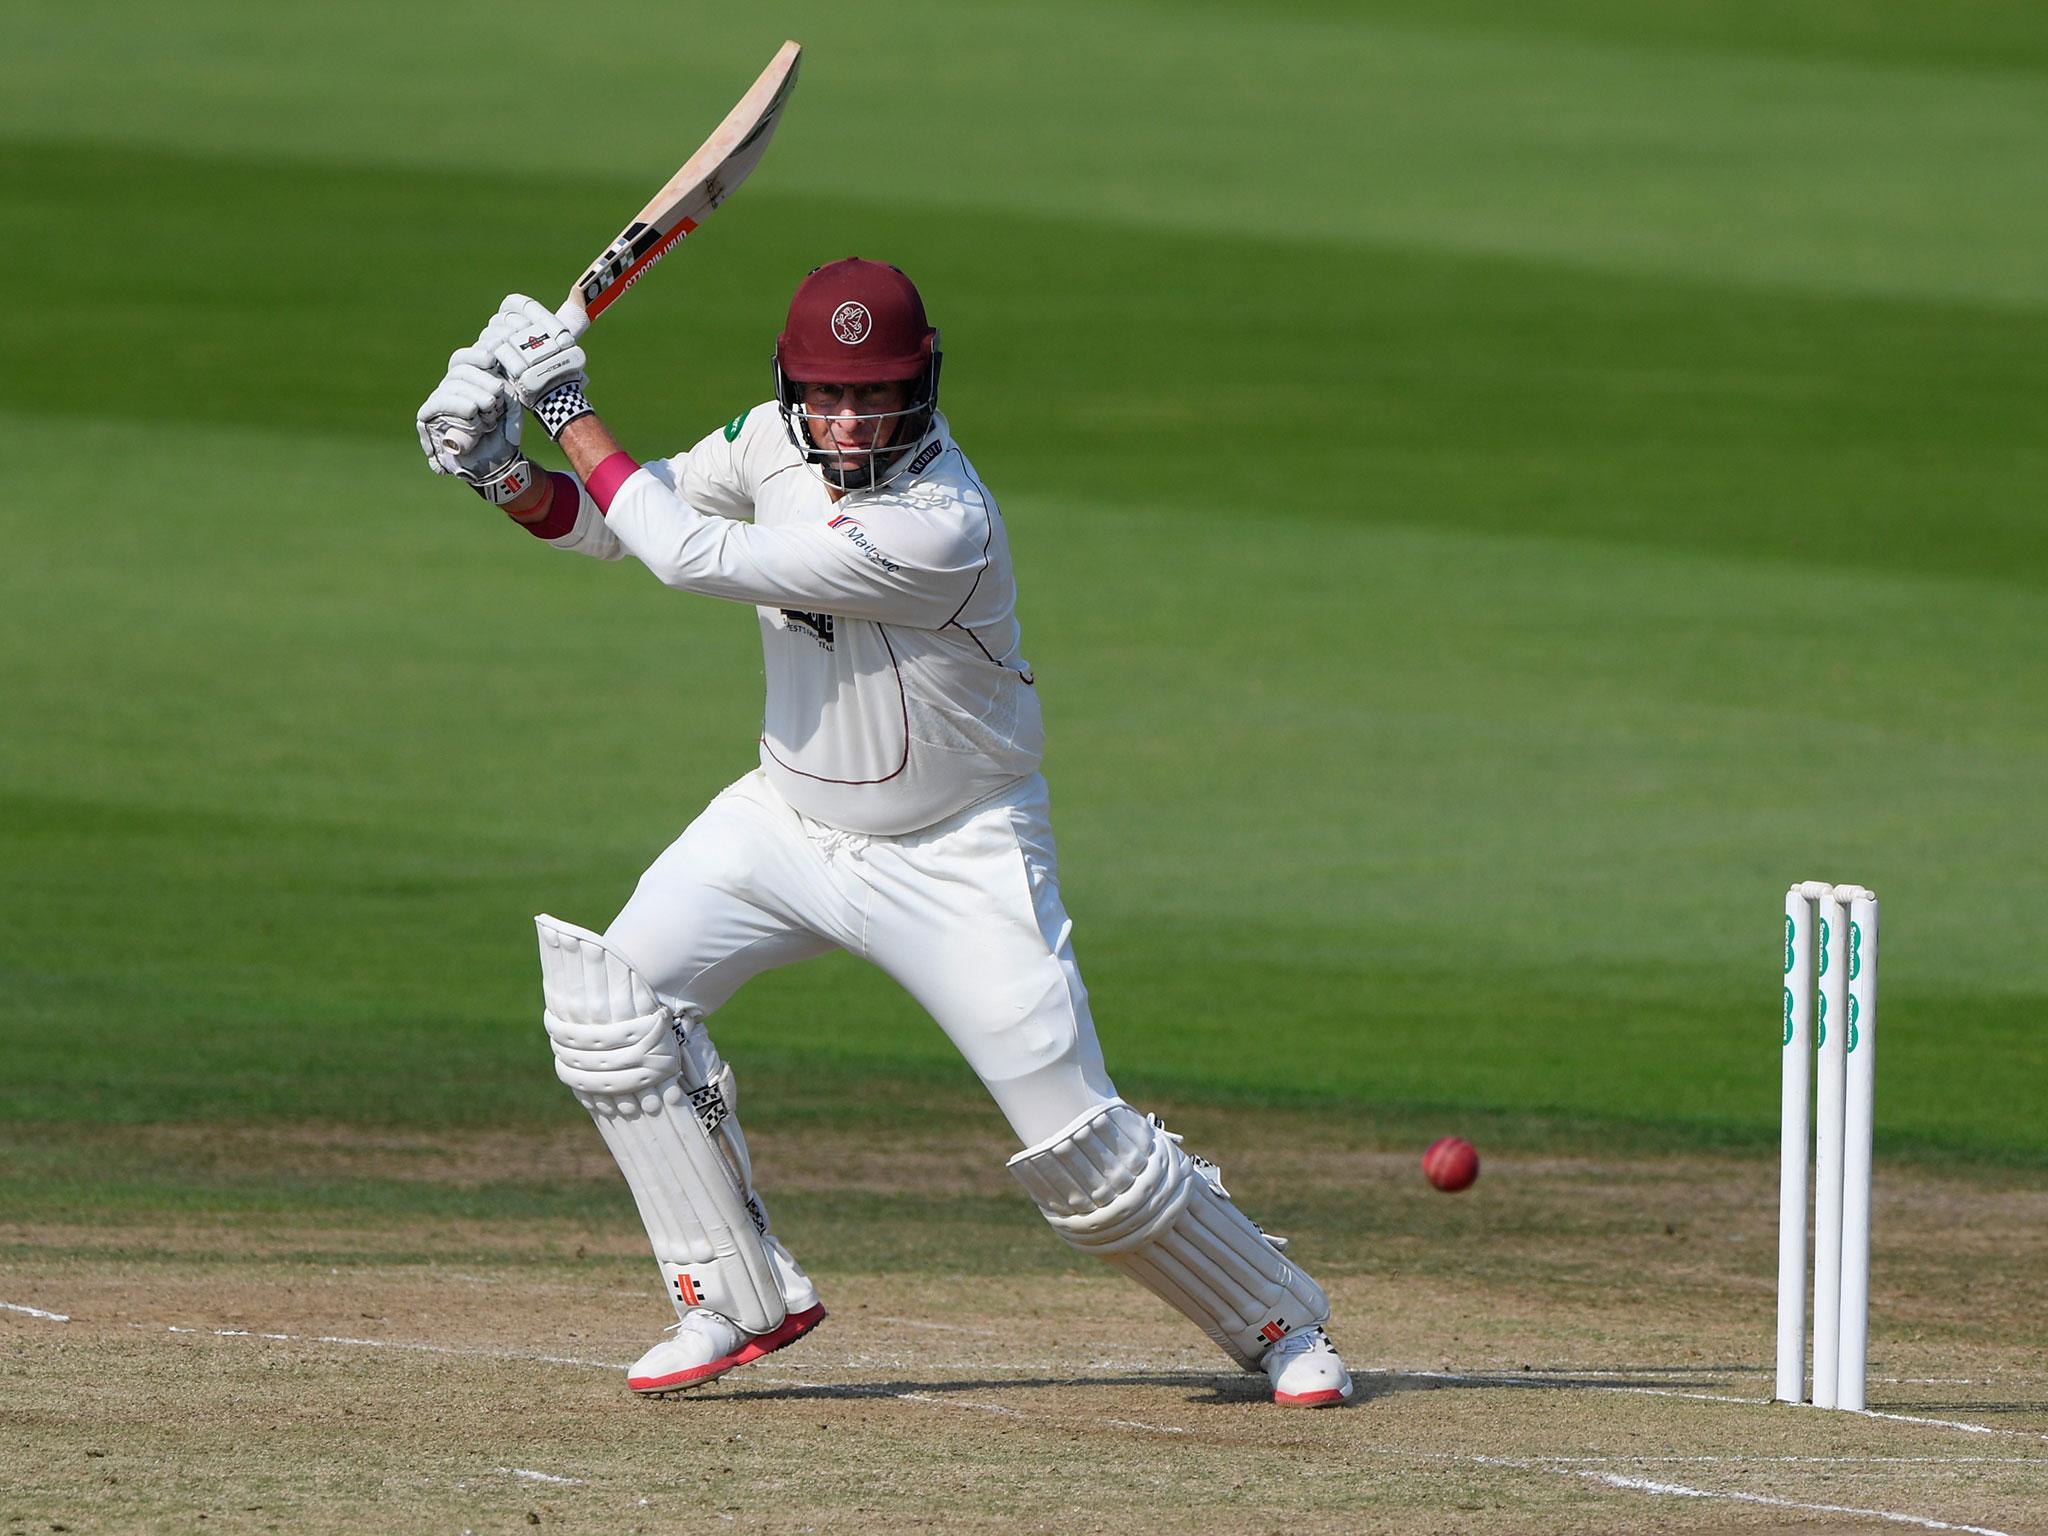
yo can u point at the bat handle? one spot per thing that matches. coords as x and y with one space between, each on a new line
574 316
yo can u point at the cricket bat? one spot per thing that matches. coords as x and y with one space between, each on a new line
706 180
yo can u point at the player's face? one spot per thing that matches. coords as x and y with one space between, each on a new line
853 417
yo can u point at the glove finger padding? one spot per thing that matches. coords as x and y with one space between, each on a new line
470 393
479 365
536 353
488 397
495 330
460 437
470 427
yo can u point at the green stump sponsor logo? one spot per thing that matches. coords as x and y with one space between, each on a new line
1788 1016
1820 1021
1854 1035
1826 933
1855 949
1791 941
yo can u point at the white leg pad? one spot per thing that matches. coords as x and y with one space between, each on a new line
1117 1185
662 1101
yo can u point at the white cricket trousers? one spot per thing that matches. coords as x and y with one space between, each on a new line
964 914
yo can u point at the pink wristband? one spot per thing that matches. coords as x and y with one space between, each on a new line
604 481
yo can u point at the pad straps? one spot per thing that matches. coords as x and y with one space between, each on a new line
1116 1184
628 1059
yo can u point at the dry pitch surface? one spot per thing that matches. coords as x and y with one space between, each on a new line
1573 1345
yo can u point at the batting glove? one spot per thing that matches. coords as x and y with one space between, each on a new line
542 363
469 427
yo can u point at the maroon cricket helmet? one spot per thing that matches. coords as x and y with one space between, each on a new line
855 322
858 322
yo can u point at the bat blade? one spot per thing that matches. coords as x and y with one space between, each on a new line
705 181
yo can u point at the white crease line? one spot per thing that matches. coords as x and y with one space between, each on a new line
1709 1397
48 1317
1740 1459
932 1400
1683 1491
927 1399
468 1352
946 1402
1157 1429
397 1344
1041 1366
1912 1418
527 1474
1539 1372
912 1322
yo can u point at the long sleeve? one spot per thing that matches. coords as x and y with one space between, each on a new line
898 564
587 533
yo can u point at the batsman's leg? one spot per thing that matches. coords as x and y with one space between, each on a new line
1117 1185
997 972
664 1102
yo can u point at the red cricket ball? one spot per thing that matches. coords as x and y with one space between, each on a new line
1451 1164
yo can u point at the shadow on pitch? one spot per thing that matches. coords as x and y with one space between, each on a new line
1223 1389
1713 1379
954 1387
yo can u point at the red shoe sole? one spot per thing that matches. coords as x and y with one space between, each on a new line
792 1328
1329 1399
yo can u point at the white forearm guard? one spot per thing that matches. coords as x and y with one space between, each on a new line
1117 1185
663 1102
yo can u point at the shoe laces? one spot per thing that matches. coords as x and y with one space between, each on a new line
1302 1342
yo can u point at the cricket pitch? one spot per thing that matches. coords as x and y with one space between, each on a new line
1574 1344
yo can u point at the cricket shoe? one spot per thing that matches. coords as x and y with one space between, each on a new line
1307 1372
705 1345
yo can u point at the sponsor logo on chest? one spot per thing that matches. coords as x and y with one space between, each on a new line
817 625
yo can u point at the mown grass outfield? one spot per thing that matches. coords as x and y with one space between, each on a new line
1498 492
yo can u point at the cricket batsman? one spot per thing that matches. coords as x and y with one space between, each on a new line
897 811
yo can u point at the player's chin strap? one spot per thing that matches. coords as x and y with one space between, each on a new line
1116 1184
663 1102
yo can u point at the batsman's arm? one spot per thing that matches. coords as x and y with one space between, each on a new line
588 442
921 578
544 370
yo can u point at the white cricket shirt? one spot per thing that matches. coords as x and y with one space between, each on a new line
896 692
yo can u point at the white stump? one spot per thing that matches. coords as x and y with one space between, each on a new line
1859 1105
1827 1155
1797 1070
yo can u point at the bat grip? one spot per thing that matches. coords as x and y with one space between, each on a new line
574 317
